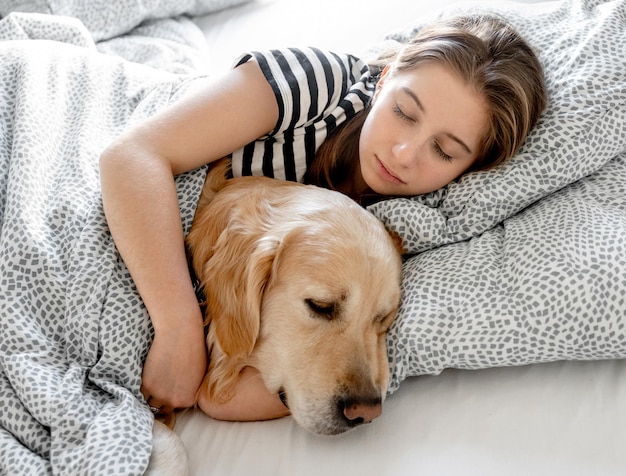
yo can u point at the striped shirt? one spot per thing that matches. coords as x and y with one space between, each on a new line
316 91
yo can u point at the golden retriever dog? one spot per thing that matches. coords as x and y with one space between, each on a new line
302 284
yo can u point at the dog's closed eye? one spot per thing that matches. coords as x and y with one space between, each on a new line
323 309
385 320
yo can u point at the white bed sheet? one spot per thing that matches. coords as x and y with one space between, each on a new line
563 418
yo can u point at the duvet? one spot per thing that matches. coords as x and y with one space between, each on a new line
73 329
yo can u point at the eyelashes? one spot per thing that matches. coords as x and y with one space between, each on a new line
438 150
398 112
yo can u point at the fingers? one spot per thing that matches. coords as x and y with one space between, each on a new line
165 415
159 409
171 377
160 405
167 405
156 405
169 390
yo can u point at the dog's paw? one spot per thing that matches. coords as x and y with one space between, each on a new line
169 457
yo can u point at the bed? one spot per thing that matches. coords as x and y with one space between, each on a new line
507 354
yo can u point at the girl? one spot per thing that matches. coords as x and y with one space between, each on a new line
461 96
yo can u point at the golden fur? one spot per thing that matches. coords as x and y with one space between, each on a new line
302 284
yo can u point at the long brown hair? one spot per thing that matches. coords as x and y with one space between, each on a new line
488 54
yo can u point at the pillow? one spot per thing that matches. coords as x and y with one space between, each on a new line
526 263
581 45
548 284
107 20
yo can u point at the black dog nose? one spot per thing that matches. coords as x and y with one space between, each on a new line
358 411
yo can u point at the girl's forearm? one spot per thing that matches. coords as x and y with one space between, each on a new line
252 401
142 211
141 206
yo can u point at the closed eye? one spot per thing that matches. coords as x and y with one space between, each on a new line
400 113
326 310
385 320
440 152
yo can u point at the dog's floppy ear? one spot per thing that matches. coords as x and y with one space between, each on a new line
235 278
397 241
232 251
232 254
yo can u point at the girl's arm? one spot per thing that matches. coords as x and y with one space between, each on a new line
252 401
141 206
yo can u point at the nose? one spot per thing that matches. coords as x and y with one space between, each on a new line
359 411
406 150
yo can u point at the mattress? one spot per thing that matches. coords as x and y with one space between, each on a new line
562 418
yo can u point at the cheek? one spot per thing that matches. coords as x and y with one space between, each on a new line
376 132
366 134
429 176
377 122
438 177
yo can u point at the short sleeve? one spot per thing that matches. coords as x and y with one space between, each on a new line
315 92
309 83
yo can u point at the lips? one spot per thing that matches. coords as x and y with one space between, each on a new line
386 174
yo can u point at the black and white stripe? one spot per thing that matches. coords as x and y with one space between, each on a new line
316 91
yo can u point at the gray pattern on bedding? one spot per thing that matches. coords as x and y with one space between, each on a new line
73 329
111 19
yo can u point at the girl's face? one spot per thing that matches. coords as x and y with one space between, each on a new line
422 132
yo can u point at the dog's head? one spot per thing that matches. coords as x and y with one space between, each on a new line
302 284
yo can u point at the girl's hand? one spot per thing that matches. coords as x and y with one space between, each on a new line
175 366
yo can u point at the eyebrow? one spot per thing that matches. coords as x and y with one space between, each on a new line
413 96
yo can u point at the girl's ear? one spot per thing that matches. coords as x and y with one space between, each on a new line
385 71
381 80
